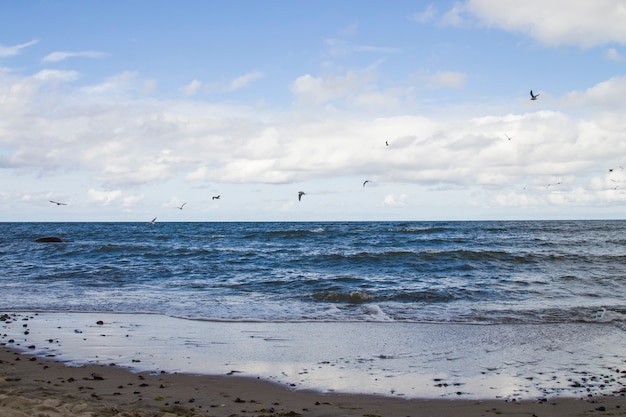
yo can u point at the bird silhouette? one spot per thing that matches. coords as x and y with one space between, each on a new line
58 203
181 206
300 194
508 137
216 197
152 221
365 182
533 96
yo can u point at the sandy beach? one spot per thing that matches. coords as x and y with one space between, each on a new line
86 369
31 386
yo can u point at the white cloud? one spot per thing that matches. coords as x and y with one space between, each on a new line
132 200
427 15
607 95
439 79
454 16
395 200
123 82
307 88
104 197
448 79
63 55
235 84
614 55
56 75
119 144
14 50
244 80
191 88
558 22
341 47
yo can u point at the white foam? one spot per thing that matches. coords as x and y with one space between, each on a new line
374 312
608 316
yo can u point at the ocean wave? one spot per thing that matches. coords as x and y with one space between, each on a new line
351 297
473 272
422 230
428 296
608 316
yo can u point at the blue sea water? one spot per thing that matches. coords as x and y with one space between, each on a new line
449 272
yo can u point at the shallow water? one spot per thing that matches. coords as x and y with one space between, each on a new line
413 360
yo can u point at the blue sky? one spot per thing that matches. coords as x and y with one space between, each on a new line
125 110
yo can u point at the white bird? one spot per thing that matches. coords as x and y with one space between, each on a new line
508 137
58 203
300 194
181 206
533 96
152 221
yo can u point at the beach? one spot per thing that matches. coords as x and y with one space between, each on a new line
95 364
32 386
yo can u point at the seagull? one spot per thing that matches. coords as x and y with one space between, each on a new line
386 143
152 221
57 203
533 96
181 206
216 197
365 182
300 194
508 137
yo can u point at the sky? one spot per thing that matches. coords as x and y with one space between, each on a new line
126 110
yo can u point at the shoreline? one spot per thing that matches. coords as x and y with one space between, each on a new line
153 362
31 385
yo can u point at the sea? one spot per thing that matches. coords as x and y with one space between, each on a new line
474 272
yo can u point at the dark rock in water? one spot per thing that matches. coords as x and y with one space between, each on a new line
49 239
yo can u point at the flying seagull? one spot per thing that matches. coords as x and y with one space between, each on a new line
300 194
181 206
153 221
533 96
508 137
216 197
58 203
386 143
365 182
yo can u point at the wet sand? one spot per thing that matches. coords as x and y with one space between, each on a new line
57 364
32 386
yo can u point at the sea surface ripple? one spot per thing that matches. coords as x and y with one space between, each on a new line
449 272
